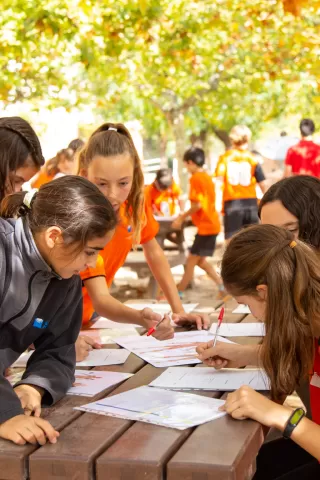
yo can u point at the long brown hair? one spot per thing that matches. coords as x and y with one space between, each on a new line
71 203
265 255
18 141
112 139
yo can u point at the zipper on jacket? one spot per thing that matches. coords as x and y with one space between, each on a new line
25 308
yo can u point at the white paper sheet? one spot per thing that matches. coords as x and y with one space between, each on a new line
161 308
181 350
105 323
242 309
161 407
14 377
105 356
90 383
96 358
101 336
240 329
206 378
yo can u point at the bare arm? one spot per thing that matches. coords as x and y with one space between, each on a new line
160 268
263 186
287 171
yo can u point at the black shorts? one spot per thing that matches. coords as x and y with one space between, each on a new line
239 214
203 245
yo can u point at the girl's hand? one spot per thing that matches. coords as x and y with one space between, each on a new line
150 319
22 429
224 354
83 346
201 321
30 397
247 403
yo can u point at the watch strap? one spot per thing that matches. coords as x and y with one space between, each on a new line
294 419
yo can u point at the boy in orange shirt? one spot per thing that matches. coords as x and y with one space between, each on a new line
163 195
204 216
240 172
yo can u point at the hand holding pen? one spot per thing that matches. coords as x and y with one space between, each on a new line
162 330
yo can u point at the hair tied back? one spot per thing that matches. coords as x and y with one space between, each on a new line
29 198
113 128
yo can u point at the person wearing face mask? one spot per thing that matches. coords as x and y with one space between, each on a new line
110 160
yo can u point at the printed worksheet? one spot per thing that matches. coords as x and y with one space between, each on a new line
105 356
90 383
161 407
180 350
96 358
240 329
14 377
242 309
207 378
105 323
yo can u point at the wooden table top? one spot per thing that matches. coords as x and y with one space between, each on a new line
95 447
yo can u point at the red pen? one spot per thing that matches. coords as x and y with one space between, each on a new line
220 318
153 329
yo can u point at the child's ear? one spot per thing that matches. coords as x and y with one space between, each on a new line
83 173
262 292
53 235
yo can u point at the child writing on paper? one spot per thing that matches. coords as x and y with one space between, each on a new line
205 218
278 277
163 195
110 161
56 232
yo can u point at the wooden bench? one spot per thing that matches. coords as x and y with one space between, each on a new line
94 447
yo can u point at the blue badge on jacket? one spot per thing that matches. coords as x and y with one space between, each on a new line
39 323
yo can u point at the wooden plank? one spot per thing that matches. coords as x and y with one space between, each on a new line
84 439
14 458
143 451
224 449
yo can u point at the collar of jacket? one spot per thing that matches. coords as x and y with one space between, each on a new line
33 260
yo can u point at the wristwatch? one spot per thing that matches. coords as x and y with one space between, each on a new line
296 417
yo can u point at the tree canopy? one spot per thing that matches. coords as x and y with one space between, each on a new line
178 65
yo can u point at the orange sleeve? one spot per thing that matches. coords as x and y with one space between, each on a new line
220 168
151 227
97 271
176 190
195 190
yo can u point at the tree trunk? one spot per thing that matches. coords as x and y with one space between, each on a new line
176 122
223 136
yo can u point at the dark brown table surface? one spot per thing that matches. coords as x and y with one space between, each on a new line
98 447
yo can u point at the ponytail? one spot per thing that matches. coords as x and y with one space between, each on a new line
112 139
267 255
12 206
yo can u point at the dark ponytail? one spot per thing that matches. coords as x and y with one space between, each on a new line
18 141
72 203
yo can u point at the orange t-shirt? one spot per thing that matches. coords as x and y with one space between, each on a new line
202 191
156 198
114 254
41 179
237 167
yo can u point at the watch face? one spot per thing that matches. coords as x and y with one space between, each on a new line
296 416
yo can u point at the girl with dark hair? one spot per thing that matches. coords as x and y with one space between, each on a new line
57 232
20 154
294 203
278 277
110 160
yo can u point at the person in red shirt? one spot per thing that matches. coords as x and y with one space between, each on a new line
304 158
204 216
292 203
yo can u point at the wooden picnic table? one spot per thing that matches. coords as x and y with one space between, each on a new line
95 447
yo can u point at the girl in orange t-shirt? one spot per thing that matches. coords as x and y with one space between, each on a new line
163 195
110 161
